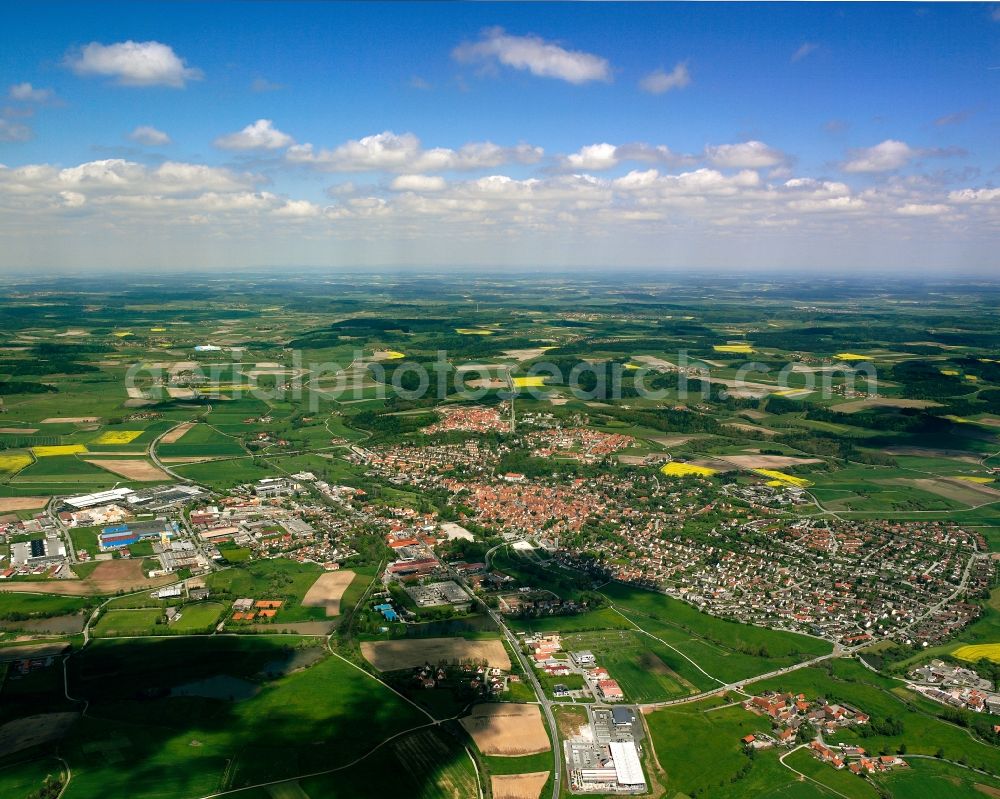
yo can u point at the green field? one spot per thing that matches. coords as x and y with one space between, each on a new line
309 720
276 579
117 623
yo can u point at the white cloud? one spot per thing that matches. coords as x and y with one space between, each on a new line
150 136
828 204
298 209
26 93
598 157
593 157
133 64
391 152
884 157
747 155
13 131
923 209
660 81
536 55
260 135
974 196
118 176
72 199
418 183
804 49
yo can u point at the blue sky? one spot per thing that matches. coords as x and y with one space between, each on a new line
832 136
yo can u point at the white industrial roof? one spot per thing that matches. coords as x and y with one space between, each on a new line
627 764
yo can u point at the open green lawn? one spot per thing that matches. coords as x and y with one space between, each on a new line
226 473
702 752
726 650
840 780
17 606
314 719
640 664
277 579
931 778
198 617
23 780
128 622
881 698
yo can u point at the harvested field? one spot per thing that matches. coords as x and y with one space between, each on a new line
45 728
507 730
926 452
133 469
518 786
527 354
882 402
972 494
672 441
751 428
296 627
70 420
327 591
10 653
171 436
109 577
407 654
766 461
23 431
70 624
177 392
22 503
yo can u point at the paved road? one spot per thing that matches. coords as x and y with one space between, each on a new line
543 702
160 464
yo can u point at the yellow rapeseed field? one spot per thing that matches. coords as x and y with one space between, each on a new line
64 449
974 652
972 479
118 437
738 349
473 331
676 469
529 382
780 478
850 356
10 462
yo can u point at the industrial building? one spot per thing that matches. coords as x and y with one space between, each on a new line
38 551
125 535
99 498
273 487
447 592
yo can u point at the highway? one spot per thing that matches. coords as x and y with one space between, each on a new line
543 701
